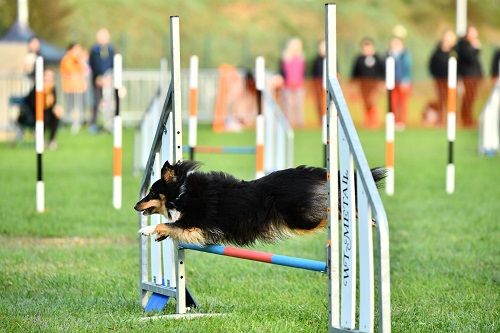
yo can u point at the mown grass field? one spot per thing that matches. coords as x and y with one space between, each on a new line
75 267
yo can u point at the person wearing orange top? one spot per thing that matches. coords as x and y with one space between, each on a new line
73 84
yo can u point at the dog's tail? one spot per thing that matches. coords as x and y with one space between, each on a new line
379 174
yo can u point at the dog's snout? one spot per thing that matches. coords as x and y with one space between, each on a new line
136 207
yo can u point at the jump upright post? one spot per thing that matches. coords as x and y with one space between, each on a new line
451 123
162 270
39 134
345 152
389 126
117 133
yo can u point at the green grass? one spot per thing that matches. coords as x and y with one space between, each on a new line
75 267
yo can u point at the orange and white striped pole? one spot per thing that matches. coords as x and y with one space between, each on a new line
389 126
451 123
323 113
193 104
39 134
260 83
117 134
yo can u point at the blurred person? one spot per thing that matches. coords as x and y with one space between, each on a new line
402 86
101 62
317 80
30 58
438 67
368 73
52 111
87 76
471 73
495 64
244 103
72 70
292 68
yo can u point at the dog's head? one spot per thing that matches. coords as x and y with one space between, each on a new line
163 193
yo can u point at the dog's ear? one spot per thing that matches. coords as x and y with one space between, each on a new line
178 171
168 173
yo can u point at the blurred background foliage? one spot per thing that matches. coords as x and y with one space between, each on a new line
227 31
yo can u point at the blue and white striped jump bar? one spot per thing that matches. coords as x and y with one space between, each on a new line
270 258
221 149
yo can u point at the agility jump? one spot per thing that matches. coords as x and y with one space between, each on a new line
278 135
277 151
343 146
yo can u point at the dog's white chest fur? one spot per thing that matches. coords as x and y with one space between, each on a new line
172 215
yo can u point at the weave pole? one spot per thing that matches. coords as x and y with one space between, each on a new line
260 83
39 134
451 123
461 17
117 134
193 104
389 126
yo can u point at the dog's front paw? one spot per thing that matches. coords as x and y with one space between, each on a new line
148 230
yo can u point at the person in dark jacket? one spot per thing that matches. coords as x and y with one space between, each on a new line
438 66
368 71
495 64
52 111
100 62
469 69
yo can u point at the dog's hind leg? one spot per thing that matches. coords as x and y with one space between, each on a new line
191 235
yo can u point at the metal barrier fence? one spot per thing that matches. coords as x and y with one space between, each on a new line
279 137
11 85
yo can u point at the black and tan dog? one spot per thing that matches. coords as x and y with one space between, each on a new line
214 207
